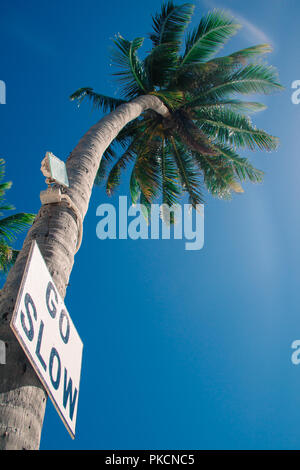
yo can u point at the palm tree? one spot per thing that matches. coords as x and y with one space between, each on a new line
180 123
196 144
10 226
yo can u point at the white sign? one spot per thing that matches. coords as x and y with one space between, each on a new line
48 337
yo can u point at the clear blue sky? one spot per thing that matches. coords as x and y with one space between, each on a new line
182 349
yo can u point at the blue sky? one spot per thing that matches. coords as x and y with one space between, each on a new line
182 349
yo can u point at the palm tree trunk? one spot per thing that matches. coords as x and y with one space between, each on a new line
22 396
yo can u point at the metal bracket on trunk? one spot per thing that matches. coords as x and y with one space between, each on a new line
55 172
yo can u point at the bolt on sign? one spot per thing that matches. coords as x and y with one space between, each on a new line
48 337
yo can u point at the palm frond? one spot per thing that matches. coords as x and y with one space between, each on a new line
173 99
219 178
145 206
8 257
188 172
146 168
123 139
6 207
234 60
209 37
169 25
226 126
252 79
190 134
235 105
106 103
243 169
160 64
2 168
171 190
135 189
14 224
247 54
194 74
113 179
132 75
4 187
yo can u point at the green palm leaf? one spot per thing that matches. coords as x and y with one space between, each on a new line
169 25
6 207
242 167
209 37
145 206
244 55
161 64
194 74
146 169
4 187
14 224
123 139
235 105
236 59
219 178
132 75
10 226
8 257
113 179
106 103
226 126
135 189
254 78
171 190
188 172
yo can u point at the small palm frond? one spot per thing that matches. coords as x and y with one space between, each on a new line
245 55
145 206
172 99
243 169
235 105
194 75
170 23
113 179
161 64
218 178
234 60
189 174
132 74
252 79
226 126
123 139
106 103
171 190
146 168
102 171
209 37
4 187
135 189
14 224
6 207
8 257
190 134
2 168
109 155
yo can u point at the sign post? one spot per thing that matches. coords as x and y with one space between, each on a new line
48 337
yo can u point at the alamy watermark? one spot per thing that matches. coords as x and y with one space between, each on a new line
296 94
130 222
2 92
